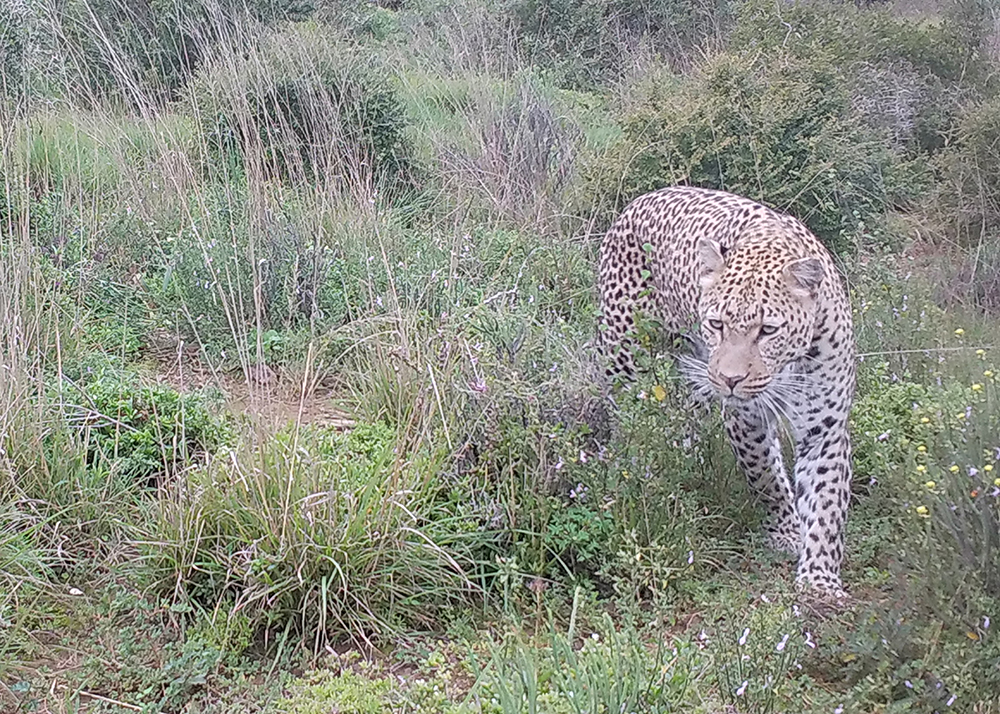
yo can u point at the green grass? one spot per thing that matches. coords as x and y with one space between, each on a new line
278 445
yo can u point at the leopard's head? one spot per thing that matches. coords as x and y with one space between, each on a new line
757 311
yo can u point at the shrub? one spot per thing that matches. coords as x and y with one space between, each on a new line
521 160
776 129
968 195
585 43
904 76
964 209
341 536
303 107
613 670
139 430
12 50
132 54
848 37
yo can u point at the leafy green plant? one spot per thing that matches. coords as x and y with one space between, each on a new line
968 202
754 655
584 43
610 671
12 49
907 78
301 105
139 430
343 536
342 690
779 131
109 51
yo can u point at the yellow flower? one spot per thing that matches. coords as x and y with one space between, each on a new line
988 467
922 510
660 393
953 468
996 482
921 468
921 448
959 332
980 352
988 373
930 484
925 420
976 387
960 415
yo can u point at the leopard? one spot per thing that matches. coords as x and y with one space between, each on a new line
765 321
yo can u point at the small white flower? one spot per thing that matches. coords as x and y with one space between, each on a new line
765 599
691 558
781 645
743 637
742 688
908 684
951 700
986 622
809 641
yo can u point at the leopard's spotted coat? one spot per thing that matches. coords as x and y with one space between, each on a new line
761 300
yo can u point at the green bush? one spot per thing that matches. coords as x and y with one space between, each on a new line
12 49
303 107
570 502
333 535
776 129
585 43
135 53
847 37
968 194
611 671
139 430
904 76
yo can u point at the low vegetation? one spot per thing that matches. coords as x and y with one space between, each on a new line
301 410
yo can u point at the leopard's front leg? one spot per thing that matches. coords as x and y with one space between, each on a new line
754 438
822 496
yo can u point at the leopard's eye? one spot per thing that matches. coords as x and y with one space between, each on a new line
769 329
715 324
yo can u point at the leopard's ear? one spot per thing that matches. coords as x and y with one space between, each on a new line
805 275
711 255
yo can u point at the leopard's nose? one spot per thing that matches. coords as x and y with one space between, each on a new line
732 380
